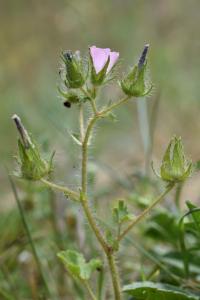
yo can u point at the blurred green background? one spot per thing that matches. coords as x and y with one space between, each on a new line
32 35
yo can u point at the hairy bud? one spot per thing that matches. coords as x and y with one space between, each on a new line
74 70
175 166
134 83
32 166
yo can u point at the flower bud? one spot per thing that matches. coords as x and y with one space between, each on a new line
175 167
134 84
103 60
74 70
32 166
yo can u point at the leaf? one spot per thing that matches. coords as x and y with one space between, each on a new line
163 226
195 214
76 265
112 116
76 138
176 263
121 214
156 291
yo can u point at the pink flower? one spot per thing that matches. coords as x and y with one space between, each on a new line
100 57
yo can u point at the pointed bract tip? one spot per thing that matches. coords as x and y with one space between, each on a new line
15 117
143 56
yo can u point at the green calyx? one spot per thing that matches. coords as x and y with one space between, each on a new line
74 70
134 84
31 165
175 166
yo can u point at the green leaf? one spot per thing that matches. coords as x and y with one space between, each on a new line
76 138
195 214
156 291
76 265
163 226
121 214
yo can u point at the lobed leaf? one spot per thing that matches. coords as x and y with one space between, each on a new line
76 265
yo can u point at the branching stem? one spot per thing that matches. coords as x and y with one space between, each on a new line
74 196
114 105
92 100
84 200
146 211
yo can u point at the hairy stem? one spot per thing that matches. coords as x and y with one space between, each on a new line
92 100
114 105
85 153
93 104
74 196
83 197
84 201
146 211
81 122
115 276
93 225
90 216
178 194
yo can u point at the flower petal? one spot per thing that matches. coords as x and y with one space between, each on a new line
113 59
99 57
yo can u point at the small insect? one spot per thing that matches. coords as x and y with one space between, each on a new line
67 104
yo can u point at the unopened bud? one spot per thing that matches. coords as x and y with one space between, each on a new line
74 69
135 83
32 165
175 166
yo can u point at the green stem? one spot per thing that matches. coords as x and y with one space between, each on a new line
89 215
114 275
74 196
146 211
182 240
95 111
114 105
81 122
178 194
32 245
100 284
184 249
84 201
93 224
90 292
85 153
92 100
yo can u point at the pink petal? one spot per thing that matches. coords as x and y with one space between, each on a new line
99 57
113 59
